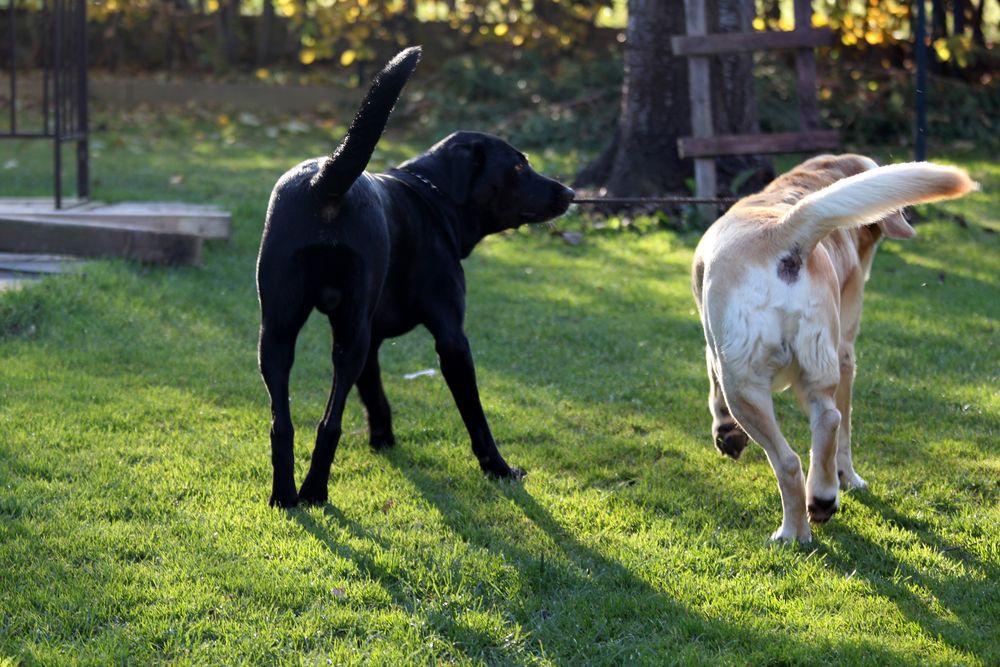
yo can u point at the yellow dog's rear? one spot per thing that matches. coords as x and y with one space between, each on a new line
778 281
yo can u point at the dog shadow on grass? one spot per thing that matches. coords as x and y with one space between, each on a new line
460 635
537 608
573 601
955 612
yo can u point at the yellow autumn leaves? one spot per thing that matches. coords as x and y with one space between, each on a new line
873 23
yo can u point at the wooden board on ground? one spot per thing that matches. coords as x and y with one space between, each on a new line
158 232
36 264
206 221
10 281
17 270
83 238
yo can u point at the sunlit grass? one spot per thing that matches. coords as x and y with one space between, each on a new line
134 462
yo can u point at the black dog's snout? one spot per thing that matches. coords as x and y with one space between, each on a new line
562 197
567 195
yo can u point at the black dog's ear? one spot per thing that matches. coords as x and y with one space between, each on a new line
467 162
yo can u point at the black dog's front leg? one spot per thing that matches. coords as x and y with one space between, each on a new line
459 372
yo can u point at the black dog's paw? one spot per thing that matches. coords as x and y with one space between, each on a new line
500 470
380 441
286 499
517 474
730 440
312 492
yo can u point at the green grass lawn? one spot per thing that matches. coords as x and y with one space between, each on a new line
135 469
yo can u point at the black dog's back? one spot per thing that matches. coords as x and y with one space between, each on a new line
309 247
379 254
325 246
348 161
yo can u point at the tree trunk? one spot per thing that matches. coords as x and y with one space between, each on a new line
180 49
167 11
772 10
227 27
958 17
939 21
188 48
978 37
642 158
939 30
264 27
116 40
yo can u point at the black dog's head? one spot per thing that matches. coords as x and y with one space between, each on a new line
491 181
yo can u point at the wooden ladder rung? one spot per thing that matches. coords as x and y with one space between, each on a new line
707 45
742 144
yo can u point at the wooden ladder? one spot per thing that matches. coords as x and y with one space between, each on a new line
698 46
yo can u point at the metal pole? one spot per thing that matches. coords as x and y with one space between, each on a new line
46 66
13 72
57 88
82 161
921 48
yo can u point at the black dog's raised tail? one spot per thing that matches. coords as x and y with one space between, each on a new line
351 157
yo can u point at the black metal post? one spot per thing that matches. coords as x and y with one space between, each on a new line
57 85
46 66
64 84
13 71
83 134
921 49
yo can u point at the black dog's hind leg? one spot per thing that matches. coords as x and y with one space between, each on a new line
351 340
376 404
276 354
455 357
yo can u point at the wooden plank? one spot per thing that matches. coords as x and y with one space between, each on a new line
206 228
13 281
743 144
705 45
44 204
91 239
208 222
163 208
700 89
35 264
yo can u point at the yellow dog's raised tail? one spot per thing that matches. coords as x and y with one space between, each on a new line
869 197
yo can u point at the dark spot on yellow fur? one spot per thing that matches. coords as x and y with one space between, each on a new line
789 265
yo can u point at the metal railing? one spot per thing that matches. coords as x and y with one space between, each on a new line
63 64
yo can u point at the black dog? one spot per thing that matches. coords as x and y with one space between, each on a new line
379 254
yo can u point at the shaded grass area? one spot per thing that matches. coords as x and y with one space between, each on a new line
134 464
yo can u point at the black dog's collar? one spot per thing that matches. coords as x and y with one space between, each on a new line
423 179
443 213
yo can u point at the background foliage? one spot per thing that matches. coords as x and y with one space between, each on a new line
549 71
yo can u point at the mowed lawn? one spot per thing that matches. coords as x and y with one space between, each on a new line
135 468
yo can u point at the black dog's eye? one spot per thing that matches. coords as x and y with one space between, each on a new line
520 167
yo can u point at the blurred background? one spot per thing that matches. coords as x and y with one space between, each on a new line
544 74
